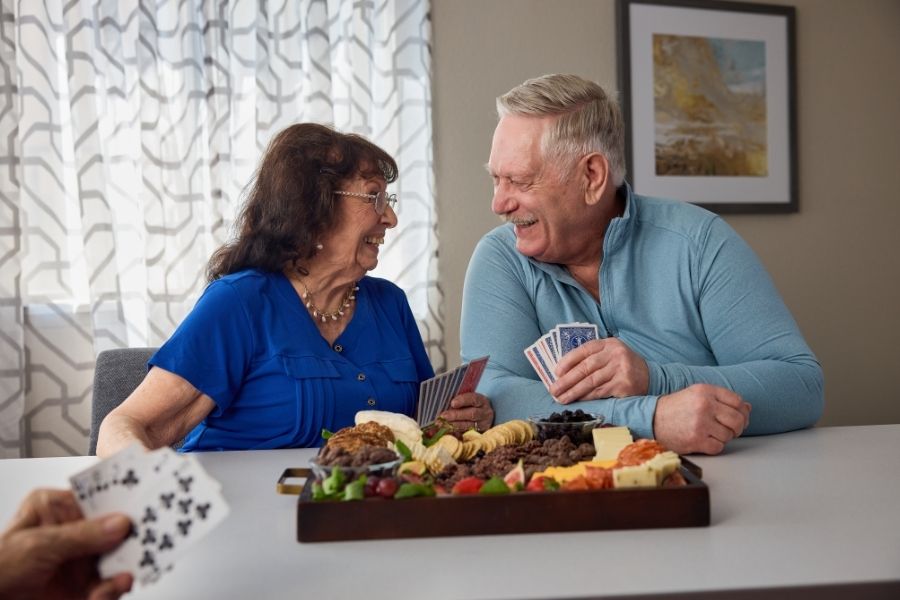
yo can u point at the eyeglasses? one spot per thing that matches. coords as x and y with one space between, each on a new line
381 199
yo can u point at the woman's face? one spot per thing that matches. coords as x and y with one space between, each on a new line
352 245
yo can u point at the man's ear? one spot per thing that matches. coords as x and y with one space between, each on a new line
596 173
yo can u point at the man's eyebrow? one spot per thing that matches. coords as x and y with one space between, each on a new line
487 167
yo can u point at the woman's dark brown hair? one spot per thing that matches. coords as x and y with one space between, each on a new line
290 202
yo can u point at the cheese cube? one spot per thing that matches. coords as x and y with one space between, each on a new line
663 465
637 476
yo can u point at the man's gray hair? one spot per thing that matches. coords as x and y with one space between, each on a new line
589 119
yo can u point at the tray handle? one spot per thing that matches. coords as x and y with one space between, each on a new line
282 487
692 467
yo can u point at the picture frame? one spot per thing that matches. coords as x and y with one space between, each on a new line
708 93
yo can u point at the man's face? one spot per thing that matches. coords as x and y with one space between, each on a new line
528 192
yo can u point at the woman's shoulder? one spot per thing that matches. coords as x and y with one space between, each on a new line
382 288
384 293
247 279
248 285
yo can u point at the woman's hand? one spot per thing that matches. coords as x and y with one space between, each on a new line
469 411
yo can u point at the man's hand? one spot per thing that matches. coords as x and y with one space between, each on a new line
604 368
470 410
700 418
50 551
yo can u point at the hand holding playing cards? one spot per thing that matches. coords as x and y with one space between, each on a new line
469 410
50 550
700 418
171 500
451 395
604 368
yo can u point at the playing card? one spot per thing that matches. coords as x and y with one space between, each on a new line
539 364
456 381
436 393
575 334
171 501
104 487
443 397
431 404
148 550
551 344
438 389
546 346
473 375
422 388
426 401
182 506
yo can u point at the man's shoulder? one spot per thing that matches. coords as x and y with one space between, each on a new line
682 218
502 234
499 240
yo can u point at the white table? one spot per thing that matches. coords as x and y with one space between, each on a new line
811 508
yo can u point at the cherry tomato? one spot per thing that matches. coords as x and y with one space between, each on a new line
536 485
468 485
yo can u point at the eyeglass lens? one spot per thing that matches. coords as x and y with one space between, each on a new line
382 199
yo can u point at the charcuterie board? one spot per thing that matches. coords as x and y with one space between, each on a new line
523 512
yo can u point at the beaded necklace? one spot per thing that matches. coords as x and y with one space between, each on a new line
325 315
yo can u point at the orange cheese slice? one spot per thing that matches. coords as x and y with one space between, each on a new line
564 474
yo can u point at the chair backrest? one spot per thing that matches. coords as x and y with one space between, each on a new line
117 373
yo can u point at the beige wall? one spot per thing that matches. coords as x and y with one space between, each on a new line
836 262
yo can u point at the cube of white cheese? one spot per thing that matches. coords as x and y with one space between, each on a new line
664 464
637 476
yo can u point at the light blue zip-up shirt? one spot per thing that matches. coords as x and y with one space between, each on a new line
679 286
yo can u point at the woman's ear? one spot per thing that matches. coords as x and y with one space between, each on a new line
596 177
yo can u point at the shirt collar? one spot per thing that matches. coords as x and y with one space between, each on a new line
615 233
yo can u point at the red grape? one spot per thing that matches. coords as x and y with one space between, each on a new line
387 487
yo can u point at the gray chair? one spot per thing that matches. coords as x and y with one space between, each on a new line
117 373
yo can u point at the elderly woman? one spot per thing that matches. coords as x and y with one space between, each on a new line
291 337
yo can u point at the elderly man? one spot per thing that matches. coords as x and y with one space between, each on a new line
692 330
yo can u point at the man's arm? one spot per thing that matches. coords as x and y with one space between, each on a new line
760 351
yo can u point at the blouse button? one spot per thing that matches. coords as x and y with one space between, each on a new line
371 401
361 377
338 348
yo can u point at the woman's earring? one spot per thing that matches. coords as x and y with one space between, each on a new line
319 246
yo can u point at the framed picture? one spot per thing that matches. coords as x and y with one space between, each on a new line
708 96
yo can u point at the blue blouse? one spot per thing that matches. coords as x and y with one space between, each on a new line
251 346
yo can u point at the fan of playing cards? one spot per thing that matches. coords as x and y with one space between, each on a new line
436 393
546 352
171 500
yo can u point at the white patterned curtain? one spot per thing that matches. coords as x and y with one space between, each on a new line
128 130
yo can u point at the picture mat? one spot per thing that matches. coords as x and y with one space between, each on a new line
645 20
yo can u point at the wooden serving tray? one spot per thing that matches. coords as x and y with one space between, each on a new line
521 512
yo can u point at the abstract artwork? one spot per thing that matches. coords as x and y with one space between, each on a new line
709 106
707 94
